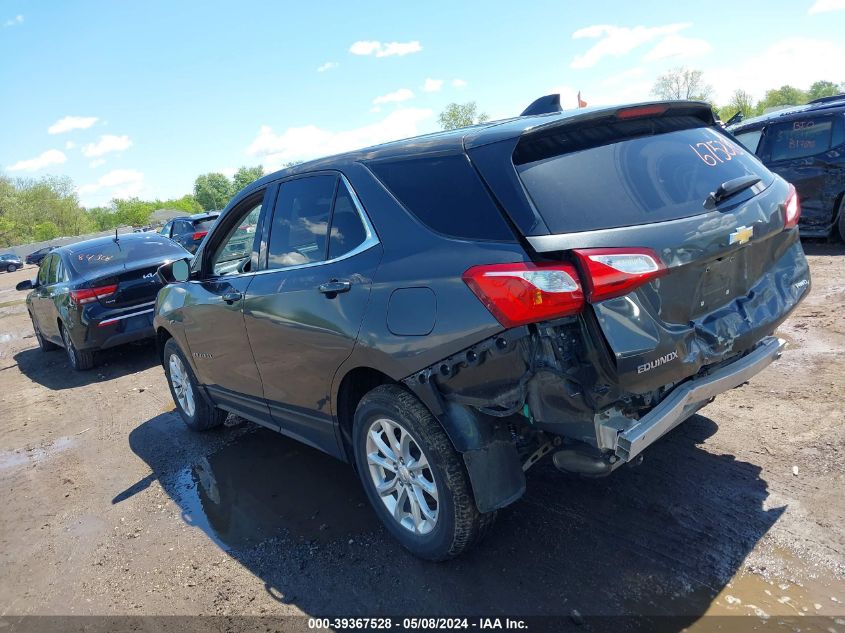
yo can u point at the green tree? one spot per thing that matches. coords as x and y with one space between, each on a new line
212 190
461 115
821 89
682 83
783 96
44 231
132 211
245 176
740 101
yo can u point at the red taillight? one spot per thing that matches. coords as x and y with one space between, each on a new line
640 111
613 272
200 234
524 293
791 209
87 295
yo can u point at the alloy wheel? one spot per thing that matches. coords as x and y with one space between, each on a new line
181 383
402 476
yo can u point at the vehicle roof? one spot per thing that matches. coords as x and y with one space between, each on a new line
97 242
463 138
826 106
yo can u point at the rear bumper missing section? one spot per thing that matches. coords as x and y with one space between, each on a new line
691 396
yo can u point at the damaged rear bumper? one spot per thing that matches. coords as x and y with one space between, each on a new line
684 400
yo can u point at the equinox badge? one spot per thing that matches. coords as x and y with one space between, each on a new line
742 235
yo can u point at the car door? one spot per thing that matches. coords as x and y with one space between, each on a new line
213 317
799 151
51 288
304 309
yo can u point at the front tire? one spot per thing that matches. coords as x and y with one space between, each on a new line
842 218
80 360
413 476
196 412
11 268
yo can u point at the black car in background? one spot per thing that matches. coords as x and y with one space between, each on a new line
97 294
444 311
10 262
189 231
36 256
806 146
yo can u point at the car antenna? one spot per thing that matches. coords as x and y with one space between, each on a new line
116 238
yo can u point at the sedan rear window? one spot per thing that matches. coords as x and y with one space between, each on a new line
103 255
635 173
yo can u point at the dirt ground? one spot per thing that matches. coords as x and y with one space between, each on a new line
111 506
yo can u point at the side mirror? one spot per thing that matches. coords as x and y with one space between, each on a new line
175 272
26 284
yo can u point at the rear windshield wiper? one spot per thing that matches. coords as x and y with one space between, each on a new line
730 188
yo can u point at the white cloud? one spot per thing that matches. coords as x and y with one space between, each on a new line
228 171
72 123
624 76
432 85
823 6
118 183
18 19
50 157
310 141
387 49
327 66
796 61
397 96
97 162
615 41
107 143
459 83
678 46
70 145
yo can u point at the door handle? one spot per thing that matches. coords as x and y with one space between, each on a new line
335 286
231 296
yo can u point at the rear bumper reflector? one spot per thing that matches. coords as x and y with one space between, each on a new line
691 396
123 316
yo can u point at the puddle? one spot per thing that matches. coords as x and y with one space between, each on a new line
263 485
29 456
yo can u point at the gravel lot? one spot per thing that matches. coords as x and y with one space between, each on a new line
110 506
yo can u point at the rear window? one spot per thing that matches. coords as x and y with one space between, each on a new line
633 172
204 225
446 195
109 254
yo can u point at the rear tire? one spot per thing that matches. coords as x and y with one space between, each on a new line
196 412
80 360
426 499
44 344
11 268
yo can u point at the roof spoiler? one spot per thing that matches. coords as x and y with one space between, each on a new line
544 105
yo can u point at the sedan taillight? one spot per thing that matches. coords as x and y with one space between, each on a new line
200 234
88 295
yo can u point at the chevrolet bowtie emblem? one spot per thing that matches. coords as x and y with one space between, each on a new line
742 235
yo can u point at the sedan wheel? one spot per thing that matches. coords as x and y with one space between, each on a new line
80 360
182 388
402 476
11 268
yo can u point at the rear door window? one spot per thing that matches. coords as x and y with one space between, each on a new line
631 173
300 227
446 194
347 229
798 139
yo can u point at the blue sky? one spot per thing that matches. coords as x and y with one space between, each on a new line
138 98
